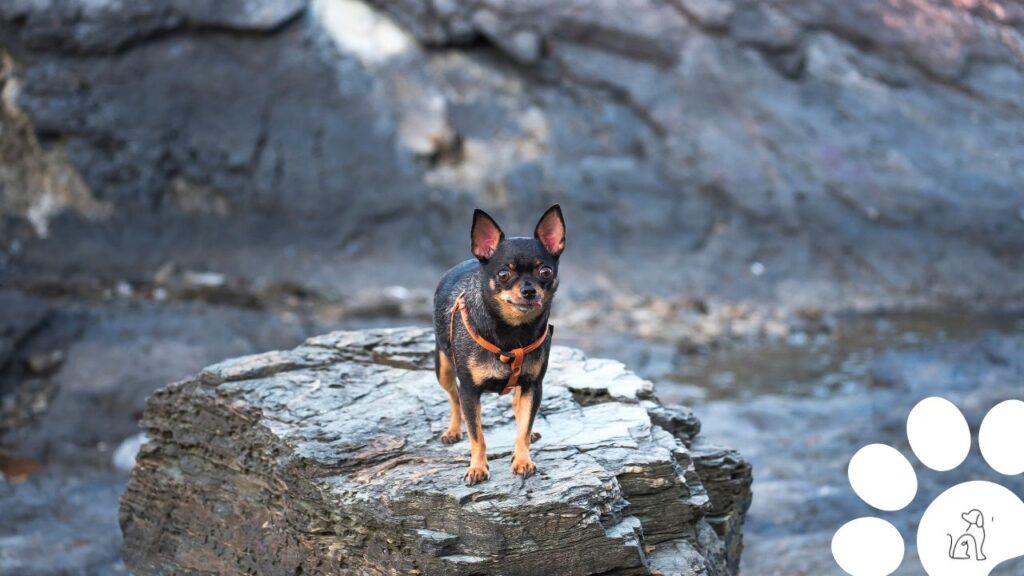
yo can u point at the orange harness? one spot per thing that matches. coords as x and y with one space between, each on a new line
514 356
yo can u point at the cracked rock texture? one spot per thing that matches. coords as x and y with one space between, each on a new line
836 153
325 459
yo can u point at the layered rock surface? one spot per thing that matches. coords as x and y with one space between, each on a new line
325 459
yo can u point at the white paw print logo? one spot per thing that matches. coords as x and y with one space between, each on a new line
970 528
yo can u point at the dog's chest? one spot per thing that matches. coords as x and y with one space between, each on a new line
489 372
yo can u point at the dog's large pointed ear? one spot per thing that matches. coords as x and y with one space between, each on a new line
550 231
486 235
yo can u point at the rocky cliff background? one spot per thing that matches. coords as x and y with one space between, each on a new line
864 153
184 181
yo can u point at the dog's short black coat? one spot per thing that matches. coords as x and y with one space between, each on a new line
508 289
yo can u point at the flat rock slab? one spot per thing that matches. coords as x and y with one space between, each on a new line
326 459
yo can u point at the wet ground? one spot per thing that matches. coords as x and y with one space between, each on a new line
797 404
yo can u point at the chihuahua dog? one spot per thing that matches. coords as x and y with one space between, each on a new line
492 332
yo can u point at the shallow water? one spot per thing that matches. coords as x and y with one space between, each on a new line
820 365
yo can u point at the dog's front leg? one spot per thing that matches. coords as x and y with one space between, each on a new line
534 435
469 399
525 405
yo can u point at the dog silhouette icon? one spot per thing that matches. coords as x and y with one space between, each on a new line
971 543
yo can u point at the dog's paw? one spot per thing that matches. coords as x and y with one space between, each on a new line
451 436
523 467
476 474
534 436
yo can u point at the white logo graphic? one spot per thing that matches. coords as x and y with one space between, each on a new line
970 528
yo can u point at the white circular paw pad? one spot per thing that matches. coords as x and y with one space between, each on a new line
938 434
1002 437
882 477
868 546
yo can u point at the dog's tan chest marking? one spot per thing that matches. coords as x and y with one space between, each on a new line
488 367
482 369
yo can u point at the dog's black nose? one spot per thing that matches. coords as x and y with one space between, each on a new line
528 291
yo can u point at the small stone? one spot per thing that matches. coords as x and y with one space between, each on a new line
164 273
397 292
445 8
205 279
524 46
127 450
45 363
798 339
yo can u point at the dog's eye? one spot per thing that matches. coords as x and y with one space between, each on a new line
545 273
504 275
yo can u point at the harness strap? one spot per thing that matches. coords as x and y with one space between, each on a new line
514 357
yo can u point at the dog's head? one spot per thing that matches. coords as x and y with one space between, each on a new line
520 275
974 517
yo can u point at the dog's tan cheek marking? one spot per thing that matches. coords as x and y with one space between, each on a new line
490 284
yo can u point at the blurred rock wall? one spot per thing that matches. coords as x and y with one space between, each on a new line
838 153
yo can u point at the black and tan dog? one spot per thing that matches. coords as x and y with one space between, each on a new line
492 331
